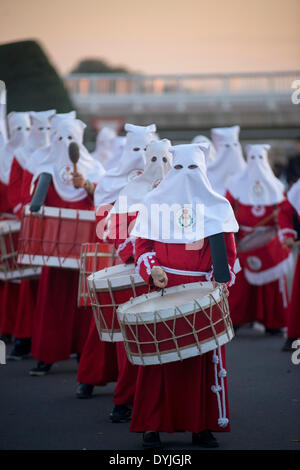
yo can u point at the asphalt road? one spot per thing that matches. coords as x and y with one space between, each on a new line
42 412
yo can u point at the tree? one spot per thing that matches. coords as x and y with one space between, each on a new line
32 82
97 66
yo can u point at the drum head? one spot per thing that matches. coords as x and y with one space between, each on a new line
260 237
121 275
176 296
114 271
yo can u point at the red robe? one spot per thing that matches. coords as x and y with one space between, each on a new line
294 306
9 291
98 361
59 326
19 195
178 396
266 303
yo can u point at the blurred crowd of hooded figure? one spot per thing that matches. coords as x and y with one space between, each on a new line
240 195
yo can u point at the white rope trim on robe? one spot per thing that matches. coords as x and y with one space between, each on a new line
246 228
125 243
182 272
284 231
217 388
237 266
133 244
282 289
232 276
144 259
271 274
17 208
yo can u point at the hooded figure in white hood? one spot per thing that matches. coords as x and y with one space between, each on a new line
191 211
294 196
57 161
103 151
131 164
41 153
200 139
228 159
202 211
257 185
117 148
19 127
158 163
39 137
3 126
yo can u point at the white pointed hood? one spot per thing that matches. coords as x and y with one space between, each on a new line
103 151
158 163
118 146
3 125
200 139
39 136
19 128
41 153
294 196
228 159
56 160
130 165
257 185
184 208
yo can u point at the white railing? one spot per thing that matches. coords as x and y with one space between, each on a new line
271 83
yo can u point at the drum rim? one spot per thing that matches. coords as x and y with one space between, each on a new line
71 214
124 309
9 226
123 272
186 352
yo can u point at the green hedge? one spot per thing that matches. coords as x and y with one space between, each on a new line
31 81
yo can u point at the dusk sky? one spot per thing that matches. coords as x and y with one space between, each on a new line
161 36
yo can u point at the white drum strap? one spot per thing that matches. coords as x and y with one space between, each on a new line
219 389
181 272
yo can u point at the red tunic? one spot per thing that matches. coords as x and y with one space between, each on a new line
178 396
9 291
98 360
15 185
266 303
19 185
59 327
294 306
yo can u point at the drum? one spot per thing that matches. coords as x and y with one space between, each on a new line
188 320
53 236
93 257
263 257
108 289
10 270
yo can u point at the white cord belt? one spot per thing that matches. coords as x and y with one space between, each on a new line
182 272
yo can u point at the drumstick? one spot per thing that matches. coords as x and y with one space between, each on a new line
74 155
41 191
219 257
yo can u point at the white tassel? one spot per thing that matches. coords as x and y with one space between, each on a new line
216 359
222 422
222 373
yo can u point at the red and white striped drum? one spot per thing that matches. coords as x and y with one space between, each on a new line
108 289
93 257
263 257
10 269
53 236
188 320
